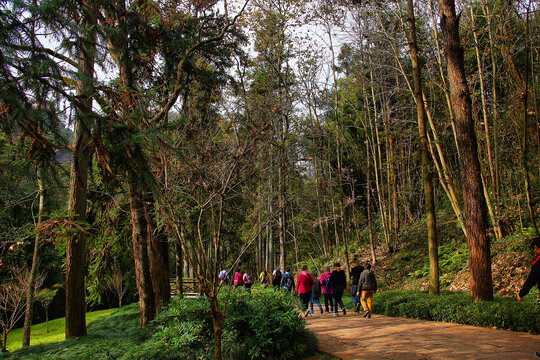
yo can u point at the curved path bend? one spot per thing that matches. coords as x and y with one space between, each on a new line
381 337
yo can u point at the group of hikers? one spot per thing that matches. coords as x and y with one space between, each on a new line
309 287
331 284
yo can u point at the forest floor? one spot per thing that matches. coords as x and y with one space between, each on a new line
381 337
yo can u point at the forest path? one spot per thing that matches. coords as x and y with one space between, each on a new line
381 337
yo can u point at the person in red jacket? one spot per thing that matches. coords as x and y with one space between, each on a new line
303 288
327 295
238 279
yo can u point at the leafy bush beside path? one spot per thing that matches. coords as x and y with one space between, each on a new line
262 324
503 313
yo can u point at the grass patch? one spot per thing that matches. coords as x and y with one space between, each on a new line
503 313
110 334
57 331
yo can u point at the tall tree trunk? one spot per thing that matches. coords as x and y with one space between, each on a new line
158 254
282 222
139 239
80 164
35 262
493 213
427 177
524 158
481 284
179 269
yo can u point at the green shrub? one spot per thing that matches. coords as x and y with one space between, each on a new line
265 324
261 324
504 313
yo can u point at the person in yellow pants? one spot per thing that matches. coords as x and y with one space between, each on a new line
367 286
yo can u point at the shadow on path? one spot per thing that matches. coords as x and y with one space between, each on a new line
381 337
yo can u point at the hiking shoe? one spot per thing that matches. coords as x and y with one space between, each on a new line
365 314
369 316
322 312
311 311
344 312
336 314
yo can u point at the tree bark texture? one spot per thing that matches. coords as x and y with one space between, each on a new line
475 209
35 262
427 176
139 239
80 163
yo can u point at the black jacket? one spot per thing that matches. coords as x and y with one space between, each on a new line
337 280
532 279
367 280
355 273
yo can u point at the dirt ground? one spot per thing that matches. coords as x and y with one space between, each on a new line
381 337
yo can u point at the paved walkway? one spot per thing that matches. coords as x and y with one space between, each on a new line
381 337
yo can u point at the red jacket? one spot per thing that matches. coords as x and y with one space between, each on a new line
304 283
323 278
238 279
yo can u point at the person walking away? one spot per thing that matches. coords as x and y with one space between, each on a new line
315 294
304 284
367 286
276 278
264 278
248 280
337 282
534 275
287 281
327 295
224 276
238 279
355 276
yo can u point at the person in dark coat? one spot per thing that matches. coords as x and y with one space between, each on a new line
337 284
355 276
367 286
316 294
534 276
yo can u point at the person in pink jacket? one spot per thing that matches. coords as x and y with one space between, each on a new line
303 288
327 296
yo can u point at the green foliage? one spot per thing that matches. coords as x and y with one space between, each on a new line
504 313
259 325
265 324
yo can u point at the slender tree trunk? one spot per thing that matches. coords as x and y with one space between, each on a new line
47 319
481 285
80 164
427 177
179 269
35 262
492 211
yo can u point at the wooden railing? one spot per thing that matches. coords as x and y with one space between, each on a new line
190 287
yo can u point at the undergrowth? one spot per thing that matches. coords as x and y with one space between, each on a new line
263 324
504 313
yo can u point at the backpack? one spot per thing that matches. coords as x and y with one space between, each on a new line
289 282
277 274
222 274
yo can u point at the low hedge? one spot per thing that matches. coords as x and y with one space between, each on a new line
504 313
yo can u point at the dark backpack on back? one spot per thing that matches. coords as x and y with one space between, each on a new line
290 282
